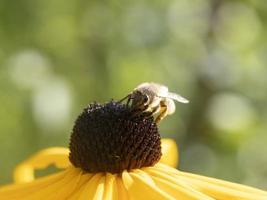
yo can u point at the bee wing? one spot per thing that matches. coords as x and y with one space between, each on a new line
177 97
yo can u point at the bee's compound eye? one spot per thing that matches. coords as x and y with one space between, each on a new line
146 99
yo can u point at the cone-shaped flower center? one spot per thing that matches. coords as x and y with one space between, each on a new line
112 138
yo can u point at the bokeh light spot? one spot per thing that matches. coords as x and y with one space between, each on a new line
52 105
28 69
230 112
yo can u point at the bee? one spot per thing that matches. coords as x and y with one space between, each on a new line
152 98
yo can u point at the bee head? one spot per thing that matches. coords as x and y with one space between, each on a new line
139 99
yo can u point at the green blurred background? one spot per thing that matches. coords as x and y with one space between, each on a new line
58 56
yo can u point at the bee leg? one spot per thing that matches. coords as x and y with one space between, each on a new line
126 97
128 100
162 113
152 111
147 114
138 111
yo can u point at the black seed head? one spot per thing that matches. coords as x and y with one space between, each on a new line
110 138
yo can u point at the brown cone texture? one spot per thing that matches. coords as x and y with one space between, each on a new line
108 138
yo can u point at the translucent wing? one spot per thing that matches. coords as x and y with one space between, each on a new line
160 91
177 97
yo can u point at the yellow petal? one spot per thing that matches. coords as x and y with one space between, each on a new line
111 190
93 188
176 187
27 188
99 193
221 192
141 188
23 173
169 152
85 177
122 192
179 192
40 188
215 188
67 189
225 184
48 191
56 155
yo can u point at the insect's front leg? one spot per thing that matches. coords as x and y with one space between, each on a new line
138 111
128 97
162 113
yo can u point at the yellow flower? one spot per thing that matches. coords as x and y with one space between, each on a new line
143 177
158 182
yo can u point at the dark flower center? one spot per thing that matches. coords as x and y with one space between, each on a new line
112 138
